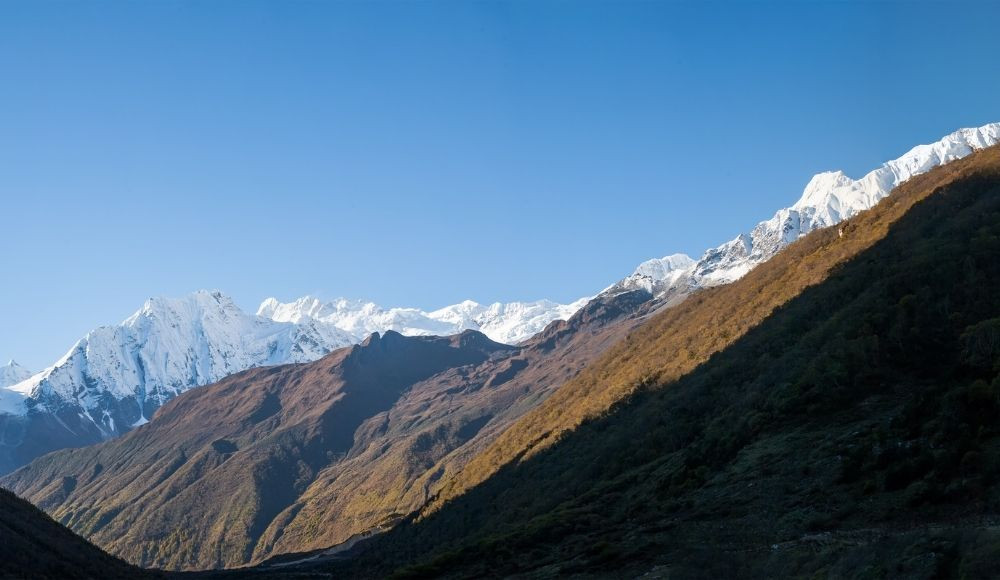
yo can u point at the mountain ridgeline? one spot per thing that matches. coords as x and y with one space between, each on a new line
848 429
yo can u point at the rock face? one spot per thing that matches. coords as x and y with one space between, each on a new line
295 457
116 377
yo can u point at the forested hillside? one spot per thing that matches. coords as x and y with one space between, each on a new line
32 545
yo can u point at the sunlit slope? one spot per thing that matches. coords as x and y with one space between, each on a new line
683 337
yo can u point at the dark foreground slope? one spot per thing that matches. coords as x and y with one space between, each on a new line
32 545
854 432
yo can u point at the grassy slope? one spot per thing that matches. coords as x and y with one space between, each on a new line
846 428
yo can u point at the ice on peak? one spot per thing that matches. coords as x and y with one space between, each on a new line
503 322
267 307
661 268
13 373
296 311
820 186
12 393
654 275
834 188
829 198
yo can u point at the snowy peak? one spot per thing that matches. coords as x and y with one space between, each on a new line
655 275
503 322
305 307
923 158
820 187
116 376
665 267
201 301
12 397
829 198
12 373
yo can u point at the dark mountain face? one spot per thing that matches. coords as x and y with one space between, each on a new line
298 457
30 436
853 431
34 546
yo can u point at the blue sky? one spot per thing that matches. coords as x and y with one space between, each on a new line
423 153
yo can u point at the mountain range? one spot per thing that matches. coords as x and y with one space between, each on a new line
463 448
116 377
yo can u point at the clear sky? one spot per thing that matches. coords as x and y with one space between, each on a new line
421 153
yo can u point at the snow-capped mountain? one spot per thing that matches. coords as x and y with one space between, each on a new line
117 376
829 198
656 274
12 373
165 348
508 323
